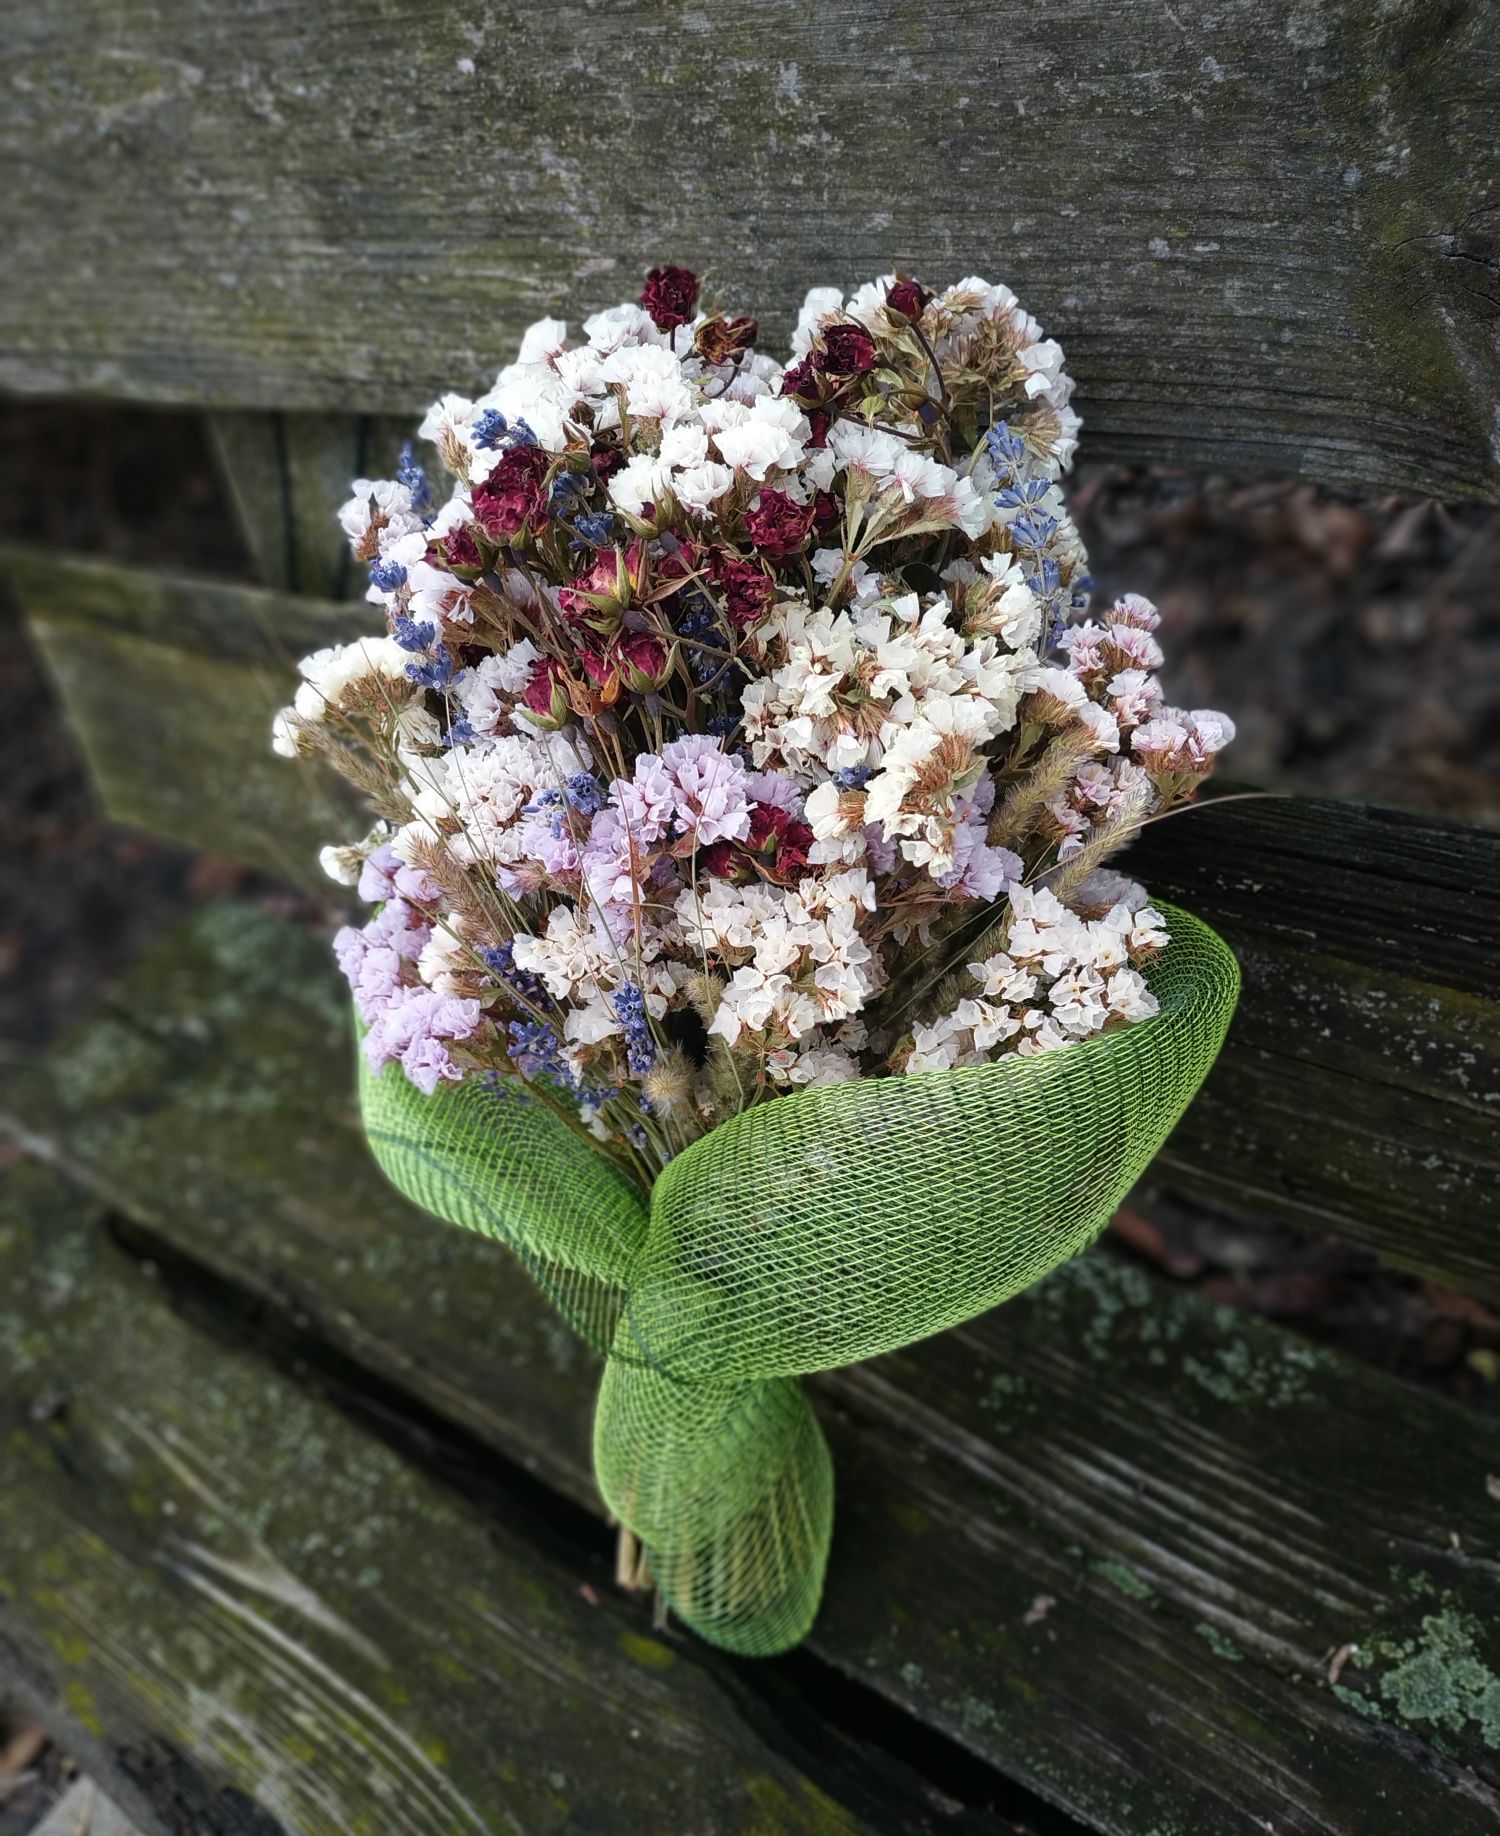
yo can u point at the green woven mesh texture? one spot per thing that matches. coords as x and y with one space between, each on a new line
828 1226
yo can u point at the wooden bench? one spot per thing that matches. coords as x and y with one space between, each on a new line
297 1529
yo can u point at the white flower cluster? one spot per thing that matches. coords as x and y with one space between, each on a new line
1060 978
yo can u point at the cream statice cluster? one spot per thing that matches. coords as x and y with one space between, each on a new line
738 726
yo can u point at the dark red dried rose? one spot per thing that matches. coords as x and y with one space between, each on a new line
598 596
721 340
775 849
826 511
545 696
820 420
458 553
908 297
723 861
745 587
514 496
779 840
848 350
669 295
606 461
778 525
642 660
803 381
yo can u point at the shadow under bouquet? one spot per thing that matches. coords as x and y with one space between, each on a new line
745 954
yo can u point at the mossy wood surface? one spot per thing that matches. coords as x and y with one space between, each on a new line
1265 231
256 1617
286 474
1107 1539
1358 1091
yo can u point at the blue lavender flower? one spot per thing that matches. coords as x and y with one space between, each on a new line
387 575
1033 529
722 725
461 733
630 1010
500 960
439 672
409 634
536 1051
852 777
490 429
700 623
584 793
414 477
594 526
1006 449
1023 495
567 487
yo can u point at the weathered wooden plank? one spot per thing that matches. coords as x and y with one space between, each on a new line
1372 970
1106 1539
171 685
287 474
1264 229
209 1569
1360 1094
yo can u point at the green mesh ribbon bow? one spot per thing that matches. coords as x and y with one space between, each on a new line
827 1226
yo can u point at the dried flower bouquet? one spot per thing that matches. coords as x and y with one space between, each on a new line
745 953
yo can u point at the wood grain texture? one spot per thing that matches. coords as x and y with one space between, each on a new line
171 686
1266 230
269 1624
287 475
1359 1092
1107 1539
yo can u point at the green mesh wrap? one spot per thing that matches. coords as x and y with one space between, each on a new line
827 1226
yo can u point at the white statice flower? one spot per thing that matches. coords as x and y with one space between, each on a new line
821 303
377 510
760 438
334 680
487 692
474 801
449 425
543 341
800 959
1060 979
651 380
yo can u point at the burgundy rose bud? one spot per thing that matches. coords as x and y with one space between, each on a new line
908 298
745 586
848 350
820 420
722 340
778 525
781 842
670 294
827 512
514 496
544 700
598 597
723 861
803 381
458 552
605 461
643 661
